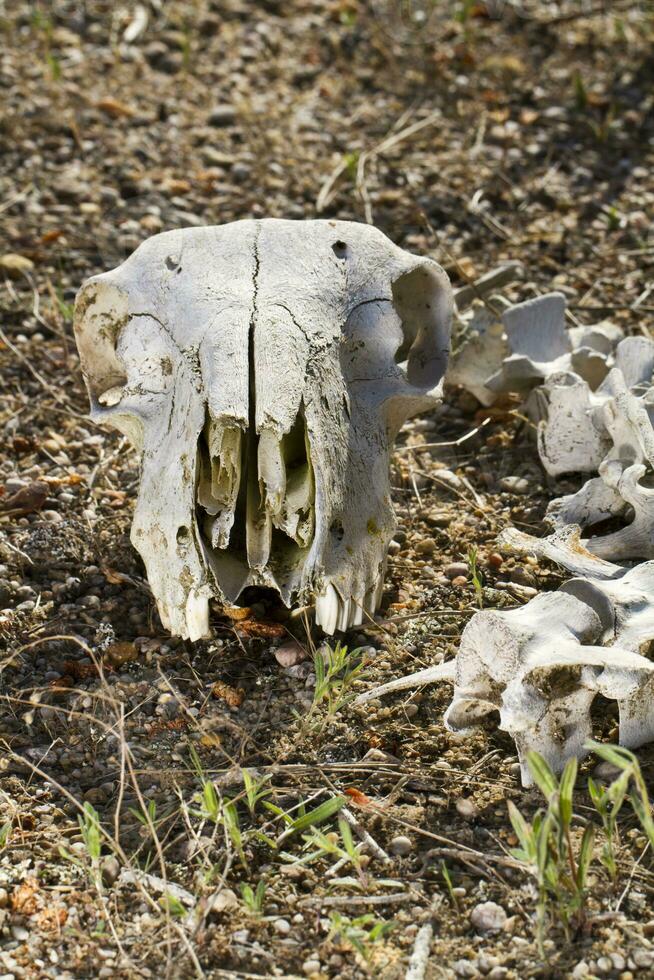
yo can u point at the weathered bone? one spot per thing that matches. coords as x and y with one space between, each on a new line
529 346
543 664
263 369
571 437
610 432
564 547
540 666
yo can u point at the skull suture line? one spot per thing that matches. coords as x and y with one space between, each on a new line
263 369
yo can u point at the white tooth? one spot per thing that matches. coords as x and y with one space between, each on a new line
327 609
164 615
379 592
197 616
357 610
369 601
346 614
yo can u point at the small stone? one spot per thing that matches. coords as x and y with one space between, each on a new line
4 898
456 569
464 968
394 547
466 808
225 899
643 958
459 581
604 965
580 971
619 962
95 794
400 846
311 966
514 484
282 926
495 560
222 115
15 265
488 917
486 963
497 973
240 172
290 654
110 870
449 478
426 547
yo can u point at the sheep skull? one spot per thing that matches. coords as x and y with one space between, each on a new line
263 369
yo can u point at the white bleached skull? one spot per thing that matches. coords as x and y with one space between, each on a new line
263 369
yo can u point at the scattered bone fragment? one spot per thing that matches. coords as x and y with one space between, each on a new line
430 675
263 369
571 439
481 355
517 348
564 547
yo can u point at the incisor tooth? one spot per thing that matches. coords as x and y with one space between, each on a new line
197 616
327 609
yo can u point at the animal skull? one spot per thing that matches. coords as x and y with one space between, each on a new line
263 369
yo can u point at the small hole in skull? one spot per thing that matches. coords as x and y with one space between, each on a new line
183 535
604 716
172 263
337 531
339 249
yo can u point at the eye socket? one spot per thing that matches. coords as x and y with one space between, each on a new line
183 535
339 249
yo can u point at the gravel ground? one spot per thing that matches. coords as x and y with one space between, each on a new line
521 131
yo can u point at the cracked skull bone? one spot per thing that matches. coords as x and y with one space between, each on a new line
263 369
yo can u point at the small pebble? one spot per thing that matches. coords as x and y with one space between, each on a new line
311 966
290 654
456 569
110 870
464 968
466 808
400 846
488 917
282 926
222 115
460 581
225 899
514 484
